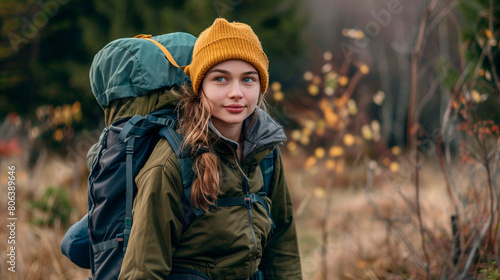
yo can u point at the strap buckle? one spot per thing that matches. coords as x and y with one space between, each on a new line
130 149
119 238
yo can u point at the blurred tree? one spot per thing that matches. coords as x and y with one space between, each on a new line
40 55
480 36
47 46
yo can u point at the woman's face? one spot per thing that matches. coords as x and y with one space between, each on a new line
233 90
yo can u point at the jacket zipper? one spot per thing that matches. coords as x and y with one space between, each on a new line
246 189
250 213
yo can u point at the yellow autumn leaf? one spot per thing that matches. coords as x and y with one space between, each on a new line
310 124
58 135
278 96
353 33
310 162
76 108
349 139
341 101
66 114
330 164
58 118
319 192
320 127
394 167
351 107
343 80
331 118
364 69
319 153
76 111
476 96
359 35
336 151
304 140
296 134
366 132
276 86
313 90
324 104
488 33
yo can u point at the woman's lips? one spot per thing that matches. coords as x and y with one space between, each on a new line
234 109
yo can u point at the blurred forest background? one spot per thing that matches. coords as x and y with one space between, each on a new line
391 107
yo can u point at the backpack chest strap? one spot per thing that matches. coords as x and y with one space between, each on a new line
247 201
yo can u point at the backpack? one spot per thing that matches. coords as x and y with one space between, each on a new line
122 151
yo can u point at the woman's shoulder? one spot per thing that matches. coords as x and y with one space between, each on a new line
162 159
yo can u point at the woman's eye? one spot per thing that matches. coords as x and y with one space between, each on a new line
248 80
220 79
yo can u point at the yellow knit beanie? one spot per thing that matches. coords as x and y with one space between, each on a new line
225 41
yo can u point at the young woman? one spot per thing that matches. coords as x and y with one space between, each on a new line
227 134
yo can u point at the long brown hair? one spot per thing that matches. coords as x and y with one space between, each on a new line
194 127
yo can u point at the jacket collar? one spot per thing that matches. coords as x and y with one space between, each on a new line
260 134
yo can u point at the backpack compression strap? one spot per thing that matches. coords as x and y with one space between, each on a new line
168 55
127 135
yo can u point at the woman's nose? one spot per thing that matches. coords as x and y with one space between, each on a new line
236 91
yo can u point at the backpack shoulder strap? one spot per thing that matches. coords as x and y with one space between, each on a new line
267 169
128 134
187 174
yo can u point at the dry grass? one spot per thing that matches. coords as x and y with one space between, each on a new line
38 253
362 244
371 235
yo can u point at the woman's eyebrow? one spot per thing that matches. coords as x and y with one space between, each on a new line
218 70
228 72
251 73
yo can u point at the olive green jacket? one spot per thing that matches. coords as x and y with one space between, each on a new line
225 242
